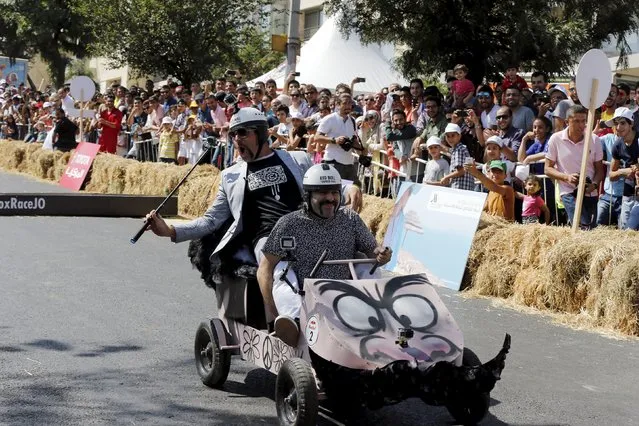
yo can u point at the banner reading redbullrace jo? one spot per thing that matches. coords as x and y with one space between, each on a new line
14 74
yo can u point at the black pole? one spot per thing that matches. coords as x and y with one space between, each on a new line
145 226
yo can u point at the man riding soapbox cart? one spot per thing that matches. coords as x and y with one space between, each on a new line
362 342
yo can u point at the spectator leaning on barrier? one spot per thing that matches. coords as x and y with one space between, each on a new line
624 164
64 132
563 163
338 131
609 204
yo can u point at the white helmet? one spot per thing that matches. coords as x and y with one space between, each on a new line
251 118
248 117
322 177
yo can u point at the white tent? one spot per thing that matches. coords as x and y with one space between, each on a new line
328 59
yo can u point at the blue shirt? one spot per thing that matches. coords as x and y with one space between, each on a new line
537 148
613 188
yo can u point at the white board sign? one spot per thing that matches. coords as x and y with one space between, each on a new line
431 231
593 65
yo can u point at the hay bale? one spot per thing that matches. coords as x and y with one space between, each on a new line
621 301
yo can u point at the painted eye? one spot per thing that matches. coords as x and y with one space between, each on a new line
414 312
358 315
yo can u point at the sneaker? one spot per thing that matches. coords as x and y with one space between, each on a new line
287 330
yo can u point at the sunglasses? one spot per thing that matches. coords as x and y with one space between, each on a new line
483 95
240 133
502 117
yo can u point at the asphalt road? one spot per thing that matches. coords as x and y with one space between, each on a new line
94 330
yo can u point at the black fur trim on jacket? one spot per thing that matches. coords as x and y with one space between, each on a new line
213 267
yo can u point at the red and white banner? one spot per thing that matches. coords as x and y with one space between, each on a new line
79 165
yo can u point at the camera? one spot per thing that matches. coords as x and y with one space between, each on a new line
461 113
348 144
588 182
230 99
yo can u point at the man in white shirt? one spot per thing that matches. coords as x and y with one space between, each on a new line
336 130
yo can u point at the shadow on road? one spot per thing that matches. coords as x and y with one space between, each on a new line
49 344
109 349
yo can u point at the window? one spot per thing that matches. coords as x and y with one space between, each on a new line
312 21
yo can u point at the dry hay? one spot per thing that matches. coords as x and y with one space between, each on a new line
374 211
12 154
197 194
593 275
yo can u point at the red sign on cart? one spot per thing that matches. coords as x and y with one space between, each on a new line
79 165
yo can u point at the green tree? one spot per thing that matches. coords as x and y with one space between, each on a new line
254 55
184 39
48 28
488 35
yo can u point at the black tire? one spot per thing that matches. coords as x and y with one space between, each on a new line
296 394
212 363
472 410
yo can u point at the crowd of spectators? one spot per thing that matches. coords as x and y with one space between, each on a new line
519 142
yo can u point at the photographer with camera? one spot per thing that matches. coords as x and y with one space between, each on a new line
339 132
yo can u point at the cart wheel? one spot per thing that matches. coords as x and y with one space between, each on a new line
472 410
212 363
296 394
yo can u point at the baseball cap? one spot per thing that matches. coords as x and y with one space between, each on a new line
452 128
193 104
167 120
558 88
297 115
47 105
199 97
497 164
496 140
621 112
433 141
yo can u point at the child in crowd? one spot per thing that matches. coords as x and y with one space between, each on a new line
37 134
436 167
533 205
314 149
191 145
493 151
501 196
457 177
513 79
169 141
462 88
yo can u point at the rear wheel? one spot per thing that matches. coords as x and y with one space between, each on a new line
212 363
296 394
471 410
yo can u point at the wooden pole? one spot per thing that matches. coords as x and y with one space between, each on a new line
576 220
81 115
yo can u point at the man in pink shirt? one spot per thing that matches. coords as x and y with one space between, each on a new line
563 163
